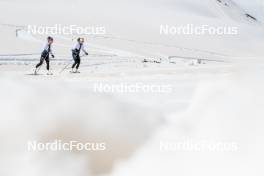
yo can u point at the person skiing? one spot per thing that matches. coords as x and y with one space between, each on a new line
45 56
76 54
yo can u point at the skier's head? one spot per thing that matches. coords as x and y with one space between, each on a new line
50 40
80 40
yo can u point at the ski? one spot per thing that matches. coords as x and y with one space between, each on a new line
75 72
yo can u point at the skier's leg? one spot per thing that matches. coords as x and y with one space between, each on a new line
43 57
48 63
74 64
74 58
38 65
40 62
48 66
78 62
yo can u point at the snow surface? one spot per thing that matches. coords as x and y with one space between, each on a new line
219 100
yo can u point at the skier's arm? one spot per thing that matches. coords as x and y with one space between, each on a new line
51 52
84 50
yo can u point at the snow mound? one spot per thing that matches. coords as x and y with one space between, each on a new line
46 111
221 134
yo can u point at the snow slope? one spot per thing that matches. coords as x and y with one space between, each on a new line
254 7
141 36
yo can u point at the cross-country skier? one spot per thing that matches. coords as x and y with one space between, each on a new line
45 56
76 54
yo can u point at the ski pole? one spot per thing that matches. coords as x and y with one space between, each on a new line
64 68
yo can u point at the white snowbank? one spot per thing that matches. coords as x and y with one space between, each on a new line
223 112
54 110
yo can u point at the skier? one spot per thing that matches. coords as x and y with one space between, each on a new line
76 54
45 56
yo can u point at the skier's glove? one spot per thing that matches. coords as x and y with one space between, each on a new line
52 56
86 54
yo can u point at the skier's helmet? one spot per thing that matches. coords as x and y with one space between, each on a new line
80 40
50 38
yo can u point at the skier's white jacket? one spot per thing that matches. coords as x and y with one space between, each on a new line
79 48
48 48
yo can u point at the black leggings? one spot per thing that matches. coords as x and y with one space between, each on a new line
77 60
46 58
